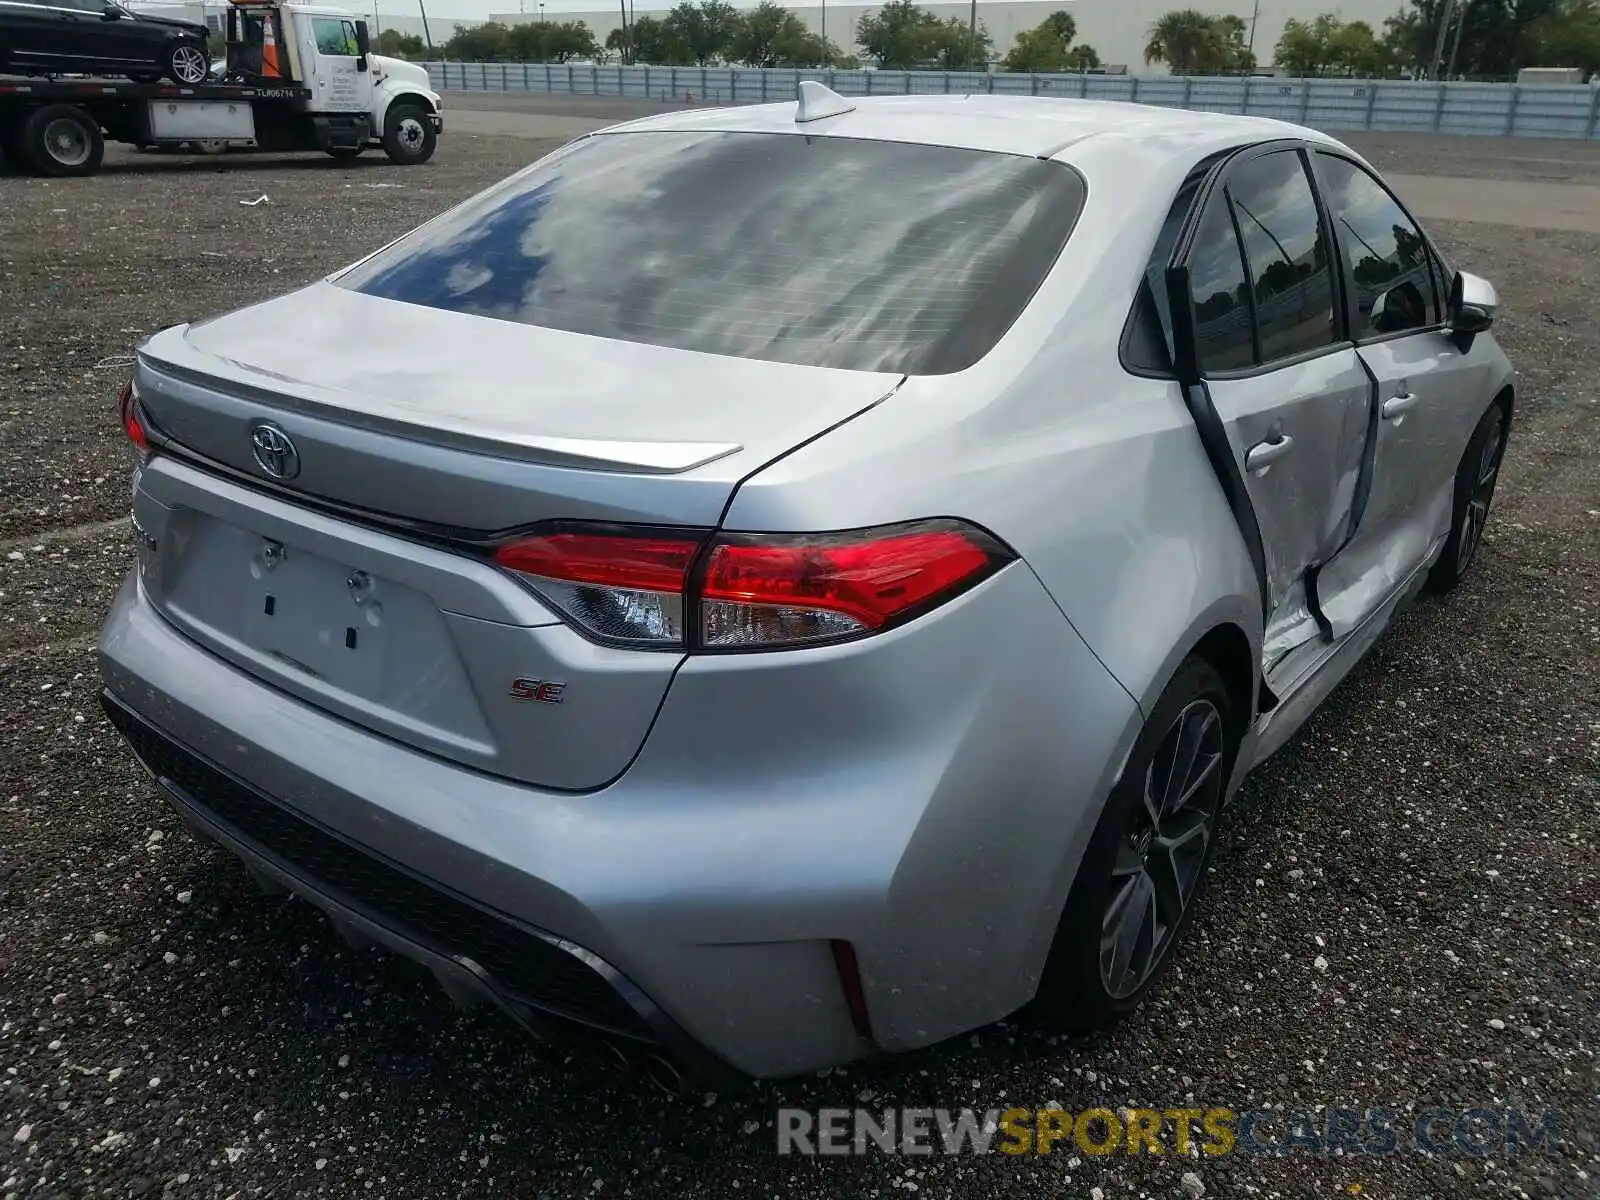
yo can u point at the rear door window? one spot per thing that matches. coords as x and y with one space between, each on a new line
1291 268
1221 292
824 251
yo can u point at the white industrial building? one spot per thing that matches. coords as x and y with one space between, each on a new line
1117 29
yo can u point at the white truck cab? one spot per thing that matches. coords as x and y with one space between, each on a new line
325 50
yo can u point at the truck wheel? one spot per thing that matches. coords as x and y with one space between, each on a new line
188 63
60 139
408 135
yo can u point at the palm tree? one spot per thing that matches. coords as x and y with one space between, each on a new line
1185 39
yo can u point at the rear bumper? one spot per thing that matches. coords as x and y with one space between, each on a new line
477 956
924 796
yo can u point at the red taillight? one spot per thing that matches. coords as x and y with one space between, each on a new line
607 560
763 589
756 591
132 422
619 587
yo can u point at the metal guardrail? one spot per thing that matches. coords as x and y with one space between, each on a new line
1496 109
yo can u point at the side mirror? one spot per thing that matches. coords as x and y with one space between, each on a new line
363 45
111 13
1470 309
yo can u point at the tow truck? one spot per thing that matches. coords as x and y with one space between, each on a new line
296 77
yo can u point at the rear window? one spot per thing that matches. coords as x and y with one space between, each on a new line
823 251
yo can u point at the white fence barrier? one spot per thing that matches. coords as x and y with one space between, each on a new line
1497 109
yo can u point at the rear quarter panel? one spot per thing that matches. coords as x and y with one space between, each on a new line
1096 477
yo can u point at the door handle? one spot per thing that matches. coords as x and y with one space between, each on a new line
1263 454
1396 406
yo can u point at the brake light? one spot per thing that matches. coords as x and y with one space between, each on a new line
620 588
132 421
751 591
766 590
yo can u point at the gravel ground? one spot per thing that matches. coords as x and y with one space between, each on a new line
165 1030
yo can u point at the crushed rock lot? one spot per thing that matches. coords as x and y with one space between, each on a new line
1402 912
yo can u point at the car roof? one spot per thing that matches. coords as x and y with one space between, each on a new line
1038 126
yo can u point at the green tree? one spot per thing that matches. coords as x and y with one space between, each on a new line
797 46
652 42
553 41
1082 58
1484 38
489 42
394 44
955 45
770 35
1233 49
1048 47
1306 47
1183 39
900 35
1358 51
706 29
1190 42
1568 37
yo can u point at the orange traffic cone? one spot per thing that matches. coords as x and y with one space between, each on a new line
269 49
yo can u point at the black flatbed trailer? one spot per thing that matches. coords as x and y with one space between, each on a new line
59 126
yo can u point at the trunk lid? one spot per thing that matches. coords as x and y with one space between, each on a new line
411 426
516 393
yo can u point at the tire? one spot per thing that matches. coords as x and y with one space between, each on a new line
345 153
408 135
62 140
187 63
1476 477
1086 986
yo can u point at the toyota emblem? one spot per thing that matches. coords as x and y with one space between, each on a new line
274 451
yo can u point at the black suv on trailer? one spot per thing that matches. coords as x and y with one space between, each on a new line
96 37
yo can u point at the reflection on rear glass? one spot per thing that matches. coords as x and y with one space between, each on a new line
816 250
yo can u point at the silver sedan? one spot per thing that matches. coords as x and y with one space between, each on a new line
775 584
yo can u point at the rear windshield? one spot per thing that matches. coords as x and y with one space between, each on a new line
824 251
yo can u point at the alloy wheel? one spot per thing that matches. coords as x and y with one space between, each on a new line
1476 515
1163 849
189 64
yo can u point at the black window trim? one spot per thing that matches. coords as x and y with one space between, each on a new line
1444 273
1217 179
1200 177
